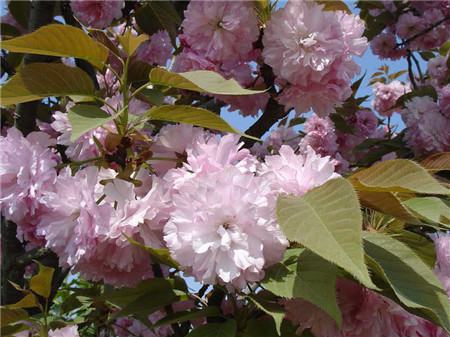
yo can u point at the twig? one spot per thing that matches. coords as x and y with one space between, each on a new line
410 70
429 29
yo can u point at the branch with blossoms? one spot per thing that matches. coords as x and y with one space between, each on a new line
133 207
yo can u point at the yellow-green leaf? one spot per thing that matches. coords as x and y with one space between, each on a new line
399 175
269 306
84 118
39 80
411 279
327 220
9 315
200 81
41 283
189 115
161 255
130 42
437 162
29 301
387 203
430 209
422 246
311 278
334 5
59 40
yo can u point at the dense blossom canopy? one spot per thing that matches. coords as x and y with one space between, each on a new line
131 207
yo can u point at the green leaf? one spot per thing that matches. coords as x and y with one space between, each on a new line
260 328
445 48
38 80
158 15
161 255
387 203
28 301
357 83
423 247
327 220
430 209
399 175
13 330
190 115
311 278
41 283
130 43
59 40
184 316
263 10
427 90
154 96
411 279
427 55
397 74
227 329
270 307
147 297
10 316
203 81
334 5
84 118
341 124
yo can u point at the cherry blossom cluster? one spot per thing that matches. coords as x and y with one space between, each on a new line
421 25
87 216
364 313
310 51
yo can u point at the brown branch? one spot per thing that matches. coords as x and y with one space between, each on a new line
272 113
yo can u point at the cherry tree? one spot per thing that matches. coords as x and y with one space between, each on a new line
131 207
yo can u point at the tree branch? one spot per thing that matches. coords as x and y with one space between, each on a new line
41 14
272 113
423 32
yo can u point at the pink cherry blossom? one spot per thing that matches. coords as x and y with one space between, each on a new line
427 128
220 30
442 243
89 234
437 68
27 170
219 240
444 100
365 313
276 138
97 14
320 136
67 331
171 143
216 153
385 46
249 105
386 96
408 25
296 174
365 122
157 50
312 49
189 60
323 98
